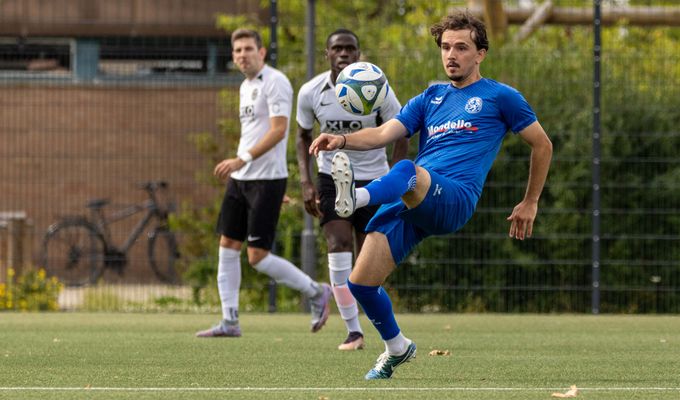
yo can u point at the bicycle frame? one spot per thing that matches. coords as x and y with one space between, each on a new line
81 247
103 222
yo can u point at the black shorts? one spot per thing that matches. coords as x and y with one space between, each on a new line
250 211
326 189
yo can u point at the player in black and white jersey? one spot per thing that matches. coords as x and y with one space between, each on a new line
316 101
256 184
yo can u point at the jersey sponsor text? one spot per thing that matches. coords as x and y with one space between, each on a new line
338 126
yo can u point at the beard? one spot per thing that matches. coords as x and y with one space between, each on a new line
456 77
460 75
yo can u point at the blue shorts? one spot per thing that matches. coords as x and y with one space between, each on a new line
447 206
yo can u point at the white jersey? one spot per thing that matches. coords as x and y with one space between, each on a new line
269 94
316 101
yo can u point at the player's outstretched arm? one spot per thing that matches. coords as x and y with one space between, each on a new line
364 139
524 213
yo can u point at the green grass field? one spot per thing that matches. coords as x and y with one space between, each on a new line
155 356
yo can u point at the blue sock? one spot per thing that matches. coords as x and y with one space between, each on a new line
389 188
378 308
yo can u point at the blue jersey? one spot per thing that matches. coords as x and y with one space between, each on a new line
461 130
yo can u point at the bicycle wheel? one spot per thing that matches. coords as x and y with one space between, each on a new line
73 251
163 254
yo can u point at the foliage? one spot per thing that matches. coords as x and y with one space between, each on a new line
552 271
31 291
197 225
479 268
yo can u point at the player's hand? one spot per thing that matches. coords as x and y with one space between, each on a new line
522 219
224 169
311 199
326 142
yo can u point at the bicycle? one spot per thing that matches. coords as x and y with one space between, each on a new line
77 249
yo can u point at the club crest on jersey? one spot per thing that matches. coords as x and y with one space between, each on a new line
474 105
253 95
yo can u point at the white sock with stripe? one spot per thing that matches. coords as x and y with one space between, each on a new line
340 266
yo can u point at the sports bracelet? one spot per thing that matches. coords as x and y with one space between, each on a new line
344 142
246 157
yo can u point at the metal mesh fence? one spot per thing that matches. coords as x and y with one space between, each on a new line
99 97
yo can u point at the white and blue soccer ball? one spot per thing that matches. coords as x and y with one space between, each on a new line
361 88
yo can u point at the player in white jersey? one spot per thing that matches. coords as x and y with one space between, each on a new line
317 102
256 183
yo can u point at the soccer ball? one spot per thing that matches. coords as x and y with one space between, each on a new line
361 88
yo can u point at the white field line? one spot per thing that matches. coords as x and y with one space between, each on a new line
330 389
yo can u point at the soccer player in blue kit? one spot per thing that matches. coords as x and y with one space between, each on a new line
461 125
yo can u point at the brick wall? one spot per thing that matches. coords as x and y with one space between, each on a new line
63 145
69 18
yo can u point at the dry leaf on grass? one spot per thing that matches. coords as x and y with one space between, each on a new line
439 353
573 392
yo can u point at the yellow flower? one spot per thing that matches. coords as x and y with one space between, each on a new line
41 274
10 272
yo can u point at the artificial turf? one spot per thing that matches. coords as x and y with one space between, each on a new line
156 356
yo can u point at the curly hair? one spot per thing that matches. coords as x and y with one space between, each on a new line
461 21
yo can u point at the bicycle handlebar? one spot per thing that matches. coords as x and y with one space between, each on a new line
152 186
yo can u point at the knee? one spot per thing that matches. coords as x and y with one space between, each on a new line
256 255
339 243
338 234
405 166
230 243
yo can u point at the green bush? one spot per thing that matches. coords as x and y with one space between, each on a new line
31 291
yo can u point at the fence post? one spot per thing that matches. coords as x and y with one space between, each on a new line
15 229
308 242
597 133
273 61
3 246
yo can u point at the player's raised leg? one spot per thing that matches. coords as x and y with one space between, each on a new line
343 177
401 180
